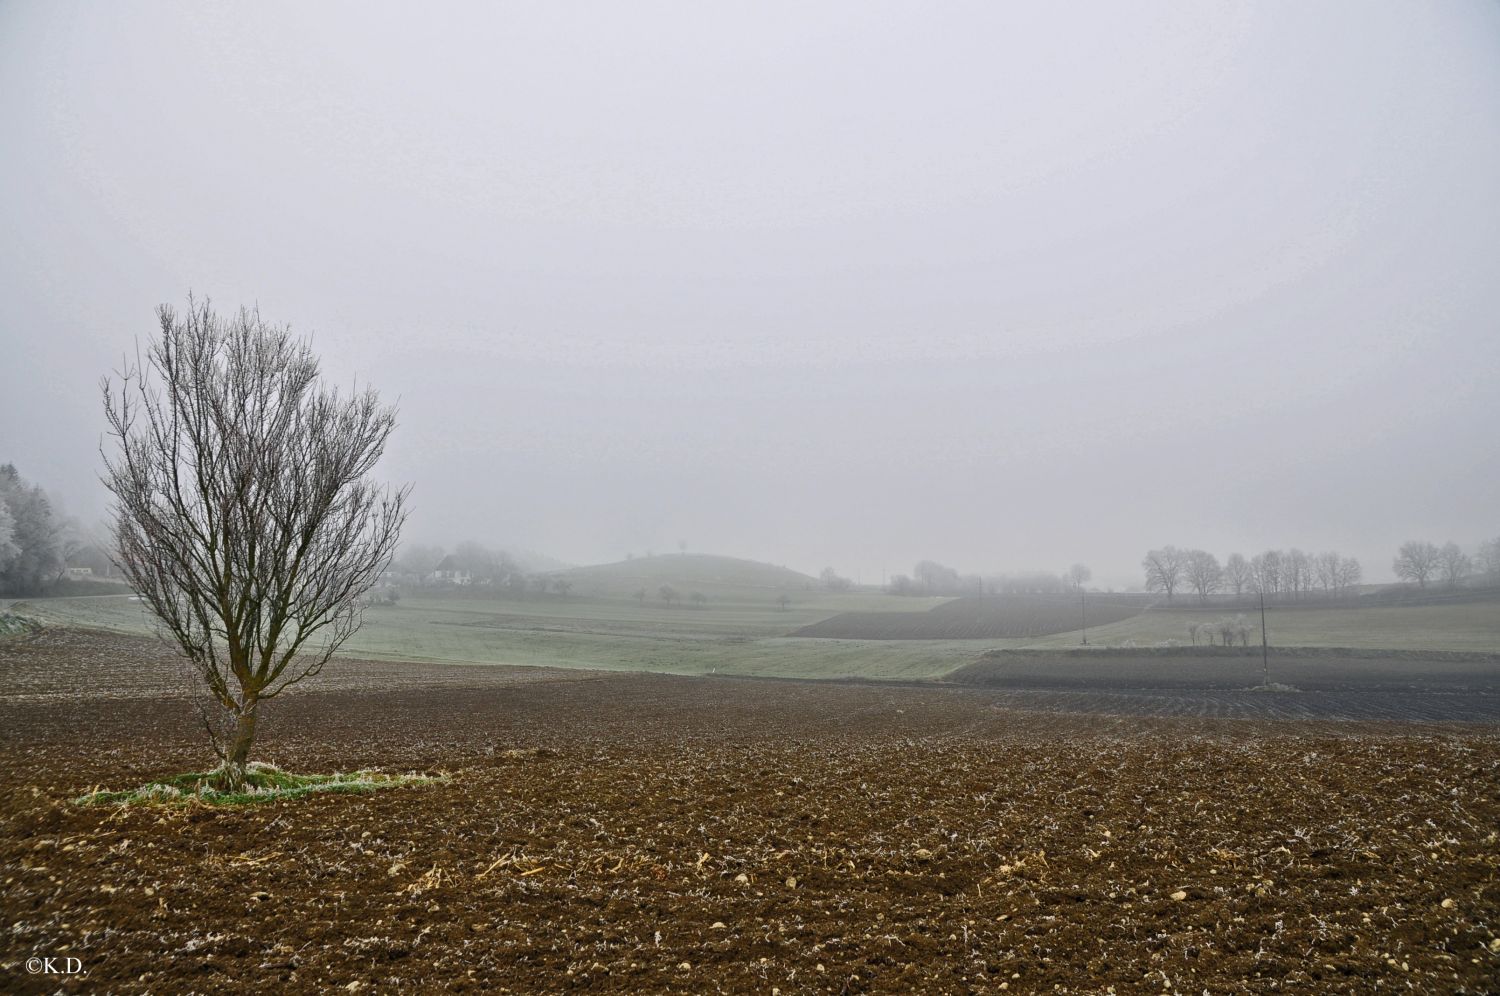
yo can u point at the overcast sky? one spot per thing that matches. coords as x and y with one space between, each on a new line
1007 286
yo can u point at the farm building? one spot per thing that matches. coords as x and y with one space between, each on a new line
451 570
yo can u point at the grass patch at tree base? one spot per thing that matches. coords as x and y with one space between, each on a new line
263 783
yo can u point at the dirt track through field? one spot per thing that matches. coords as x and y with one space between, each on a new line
649 833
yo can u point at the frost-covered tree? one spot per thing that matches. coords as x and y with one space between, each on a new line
35 555
8 548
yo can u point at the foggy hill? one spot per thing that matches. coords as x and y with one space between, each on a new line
533 562
712 575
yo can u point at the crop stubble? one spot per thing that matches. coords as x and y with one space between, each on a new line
653 833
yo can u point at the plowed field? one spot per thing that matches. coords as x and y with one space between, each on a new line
637 833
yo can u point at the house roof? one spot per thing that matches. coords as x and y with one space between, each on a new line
453 563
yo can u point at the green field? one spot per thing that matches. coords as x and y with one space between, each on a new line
718 579
1471 626
742 630
618 634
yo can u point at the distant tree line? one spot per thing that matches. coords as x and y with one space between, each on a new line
1421 561
670 596
1278 574
831 581
472 563
932 578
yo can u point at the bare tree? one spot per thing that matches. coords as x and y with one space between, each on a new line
1417 560
1453 564
1203 573
243 514
1297 572
1238 574
1164 569
1489 559
1267 568
1079 575
1350 575
667 593
1326 571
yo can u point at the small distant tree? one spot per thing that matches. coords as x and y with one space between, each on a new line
1417 560
667 593
640 595
1226 630
935 578
563 586
699 599
243 515
1165 569
783 600
1453 564
1079 575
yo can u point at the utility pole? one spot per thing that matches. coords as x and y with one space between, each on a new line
1265 653
1083 614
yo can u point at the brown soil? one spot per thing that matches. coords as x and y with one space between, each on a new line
1422 686
597 828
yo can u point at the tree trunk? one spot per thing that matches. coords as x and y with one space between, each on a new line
239 754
